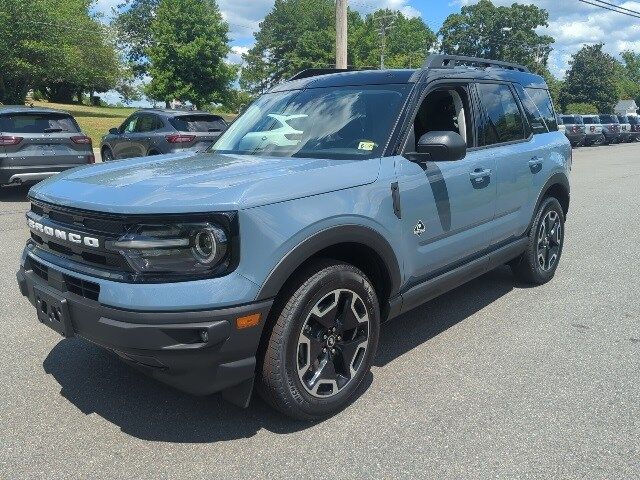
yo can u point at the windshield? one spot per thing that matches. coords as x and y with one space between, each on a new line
591 120
352 122
622 119
609 119
571 119
633 120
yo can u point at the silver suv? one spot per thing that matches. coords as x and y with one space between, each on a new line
610 128
574 129
155 132
593 130
625 129
37 143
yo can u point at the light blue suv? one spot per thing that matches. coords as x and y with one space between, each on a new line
274 257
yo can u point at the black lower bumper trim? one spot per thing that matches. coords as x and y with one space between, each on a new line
199 352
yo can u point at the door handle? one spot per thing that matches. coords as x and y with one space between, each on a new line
480 177
535 164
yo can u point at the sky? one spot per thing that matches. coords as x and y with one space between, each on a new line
571 22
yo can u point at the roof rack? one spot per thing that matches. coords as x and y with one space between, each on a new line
314 72
452 61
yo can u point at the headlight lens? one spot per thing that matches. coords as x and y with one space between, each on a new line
178 250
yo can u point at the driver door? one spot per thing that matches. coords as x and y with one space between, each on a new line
447 206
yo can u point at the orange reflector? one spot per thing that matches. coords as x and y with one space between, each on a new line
248 321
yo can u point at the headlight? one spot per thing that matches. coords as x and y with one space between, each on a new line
184 250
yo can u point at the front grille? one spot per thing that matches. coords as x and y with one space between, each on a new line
81 287
39 269
104 226
64 282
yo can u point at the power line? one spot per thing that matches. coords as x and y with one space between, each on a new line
612 9
618 7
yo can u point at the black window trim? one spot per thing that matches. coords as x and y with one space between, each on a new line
525 125
421 92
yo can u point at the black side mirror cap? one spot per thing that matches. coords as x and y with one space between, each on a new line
439 146
114 131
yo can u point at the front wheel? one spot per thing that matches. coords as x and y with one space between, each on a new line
107 155
323 342
539 262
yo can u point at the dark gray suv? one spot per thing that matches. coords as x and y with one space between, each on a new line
154 132
37 143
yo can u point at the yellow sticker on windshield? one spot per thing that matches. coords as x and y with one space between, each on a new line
367 146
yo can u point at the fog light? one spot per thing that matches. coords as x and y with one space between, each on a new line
204 336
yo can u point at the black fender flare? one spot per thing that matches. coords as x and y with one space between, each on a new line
555 179
329 237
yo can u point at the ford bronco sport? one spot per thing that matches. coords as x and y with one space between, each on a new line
274 259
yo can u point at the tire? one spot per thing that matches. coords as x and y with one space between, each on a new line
326 295
107 155
539 262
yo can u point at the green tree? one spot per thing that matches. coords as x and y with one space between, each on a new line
499 33
28 47
132 23
582 108
591 78
407 43
629 76
188 52
57 47
295 35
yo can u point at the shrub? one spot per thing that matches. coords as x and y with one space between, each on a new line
582 108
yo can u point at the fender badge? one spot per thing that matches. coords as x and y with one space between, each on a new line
419 229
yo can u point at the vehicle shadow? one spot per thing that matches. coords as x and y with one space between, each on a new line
418 326
95 381
14 193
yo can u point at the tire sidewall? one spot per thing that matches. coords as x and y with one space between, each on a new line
547 205
326 281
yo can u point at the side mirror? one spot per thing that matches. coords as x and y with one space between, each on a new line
440 146
114 131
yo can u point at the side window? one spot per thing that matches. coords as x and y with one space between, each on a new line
504 122
129 126
538 125
445 109
542 99
145 124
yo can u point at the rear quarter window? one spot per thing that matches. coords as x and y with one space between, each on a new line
26 123
198 123
542 99
538 124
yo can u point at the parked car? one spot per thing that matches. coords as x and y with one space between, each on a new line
561 128
155 132
37 143
625 129
278 263
593 130
574 129
610 128
634 121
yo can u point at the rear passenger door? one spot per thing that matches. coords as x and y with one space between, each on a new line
505 136
122 147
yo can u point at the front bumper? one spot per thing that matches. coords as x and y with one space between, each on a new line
169 346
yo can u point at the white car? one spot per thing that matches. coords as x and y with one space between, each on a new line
277 131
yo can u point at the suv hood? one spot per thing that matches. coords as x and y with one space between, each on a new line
181 183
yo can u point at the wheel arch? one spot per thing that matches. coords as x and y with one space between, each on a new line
558 187
361 246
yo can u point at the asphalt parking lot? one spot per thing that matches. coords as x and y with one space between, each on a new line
491 380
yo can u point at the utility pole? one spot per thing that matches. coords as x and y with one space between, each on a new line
386 22
341 34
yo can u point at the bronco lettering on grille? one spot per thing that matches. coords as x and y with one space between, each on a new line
63 235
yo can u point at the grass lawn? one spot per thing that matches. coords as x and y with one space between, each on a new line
94 121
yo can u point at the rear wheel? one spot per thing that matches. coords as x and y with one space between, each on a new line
323 342
539 262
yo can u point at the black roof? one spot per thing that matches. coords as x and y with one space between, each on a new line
440 66
4 109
